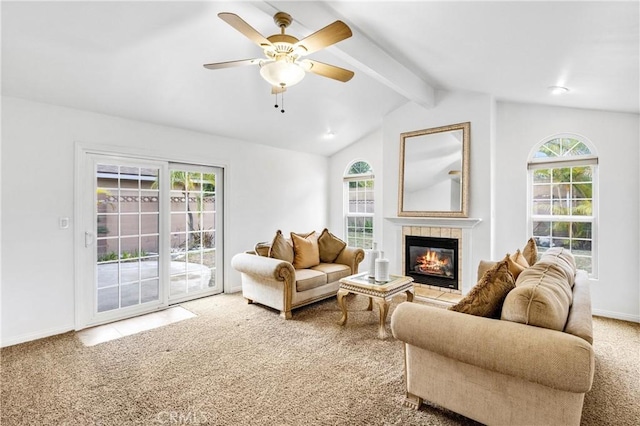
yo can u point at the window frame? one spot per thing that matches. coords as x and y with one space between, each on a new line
537 163
358 177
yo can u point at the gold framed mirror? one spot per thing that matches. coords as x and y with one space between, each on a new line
434 172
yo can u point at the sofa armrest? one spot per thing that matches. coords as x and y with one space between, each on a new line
351 256
263 267
548 357
580 320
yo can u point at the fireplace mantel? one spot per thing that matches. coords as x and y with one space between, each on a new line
442 222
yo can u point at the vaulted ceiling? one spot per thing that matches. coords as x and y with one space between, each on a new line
143 60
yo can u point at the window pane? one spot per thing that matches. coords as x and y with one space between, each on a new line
560 207
542 176
149 201
581 208
561 174
541 207
560 229
560 191
541 191
581 230
583 174
582 190
359 167
542 233
562 242
562 147
129 224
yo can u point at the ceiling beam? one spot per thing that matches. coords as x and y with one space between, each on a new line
360 51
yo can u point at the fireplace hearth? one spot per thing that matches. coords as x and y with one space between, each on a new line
432 260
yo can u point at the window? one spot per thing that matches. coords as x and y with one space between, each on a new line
359 202
563 198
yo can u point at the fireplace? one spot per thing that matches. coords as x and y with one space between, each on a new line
432 260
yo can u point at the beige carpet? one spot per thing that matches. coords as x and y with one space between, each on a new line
237 364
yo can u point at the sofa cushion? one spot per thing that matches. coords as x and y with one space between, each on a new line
329 246
334 271
542 297
530 252
281 248
563 259
305 250
486 297
307 279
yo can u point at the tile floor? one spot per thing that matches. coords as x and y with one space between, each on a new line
115 330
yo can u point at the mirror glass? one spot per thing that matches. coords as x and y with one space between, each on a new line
434 172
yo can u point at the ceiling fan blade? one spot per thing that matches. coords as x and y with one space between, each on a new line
239 24
325 37
330 71
230 64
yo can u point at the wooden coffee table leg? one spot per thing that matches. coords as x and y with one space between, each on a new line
409 295
342 304
384 310
370 307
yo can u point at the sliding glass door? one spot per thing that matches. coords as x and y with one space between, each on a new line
195 239
150 236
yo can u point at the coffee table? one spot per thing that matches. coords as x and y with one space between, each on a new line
379 291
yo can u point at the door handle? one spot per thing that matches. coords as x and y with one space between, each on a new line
88 238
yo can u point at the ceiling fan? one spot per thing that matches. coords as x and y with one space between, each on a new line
283 65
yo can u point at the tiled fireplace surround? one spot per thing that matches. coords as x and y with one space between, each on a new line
460 228
439 232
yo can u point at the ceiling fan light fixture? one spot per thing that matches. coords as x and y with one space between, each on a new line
282 73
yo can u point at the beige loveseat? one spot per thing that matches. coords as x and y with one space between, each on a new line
288 273
531 365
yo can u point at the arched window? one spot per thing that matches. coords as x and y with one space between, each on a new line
563 197
359 204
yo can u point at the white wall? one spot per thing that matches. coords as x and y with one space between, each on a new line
617 139
266 189
451 108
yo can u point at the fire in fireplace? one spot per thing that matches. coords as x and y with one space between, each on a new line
432 261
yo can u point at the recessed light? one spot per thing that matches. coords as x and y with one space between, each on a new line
329 135
557 90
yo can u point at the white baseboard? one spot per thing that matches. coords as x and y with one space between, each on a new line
34 336
616 315
233 289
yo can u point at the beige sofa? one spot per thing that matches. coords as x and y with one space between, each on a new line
531 366
286 284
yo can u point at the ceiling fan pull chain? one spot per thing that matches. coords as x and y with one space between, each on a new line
276 105
282 100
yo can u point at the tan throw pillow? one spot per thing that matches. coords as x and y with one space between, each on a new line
329 246
262 248
486 297
514 267
519 259
530 252
483 267
281 248
305 250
